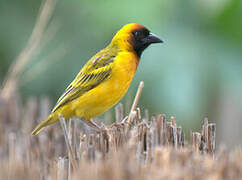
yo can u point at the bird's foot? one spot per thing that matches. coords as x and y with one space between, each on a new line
93 125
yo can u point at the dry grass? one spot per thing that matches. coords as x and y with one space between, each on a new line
153 148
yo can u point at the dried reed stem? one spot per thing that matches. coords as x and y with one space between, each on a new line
32 46
211 137
196 141
119 112
62 169
136 99
68 144
135 102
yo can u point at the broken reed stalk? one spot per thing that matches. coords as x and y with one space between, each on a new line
204 142
119 113
62 166
196 141
174 131
68 144
135 102
211 137
91 147
71 137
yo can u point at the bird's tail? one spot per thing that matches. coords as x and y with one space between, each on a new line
52 118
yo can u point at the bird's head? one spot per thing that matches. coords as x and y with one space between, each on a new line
134 37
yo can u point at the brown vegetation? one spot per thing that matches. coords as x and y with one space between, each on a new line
151 148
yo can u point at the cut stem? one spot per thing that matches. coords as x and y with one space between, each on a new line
136 100
68 144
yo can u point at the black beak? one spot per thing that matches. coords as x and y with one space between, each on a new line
152 38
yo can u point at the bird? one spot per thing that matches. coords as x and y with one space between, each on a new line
104 79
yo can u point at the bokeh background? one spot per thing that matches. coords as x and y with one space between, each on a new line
196 73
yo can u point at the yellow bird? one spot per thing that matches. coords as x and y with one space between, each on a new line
104 79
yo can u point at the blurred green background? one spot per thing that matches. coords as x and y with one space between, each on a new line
196 73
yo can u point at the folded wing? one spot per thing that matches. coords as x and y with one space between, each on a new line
97 70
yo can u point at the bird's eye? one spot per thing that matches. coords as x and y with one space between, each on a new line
137 33
140 34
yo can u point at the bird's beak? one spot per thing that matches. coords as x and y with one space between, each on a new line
152 38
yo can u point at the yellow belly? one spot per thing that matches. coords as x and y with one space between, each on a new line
109 92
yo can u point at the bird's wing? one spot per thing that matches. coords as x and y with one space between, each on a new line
92 74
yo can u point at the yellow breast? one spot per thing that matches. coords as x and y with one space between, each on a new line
109 92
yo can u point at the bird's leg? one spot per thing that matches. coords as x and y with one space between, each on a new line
92 124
